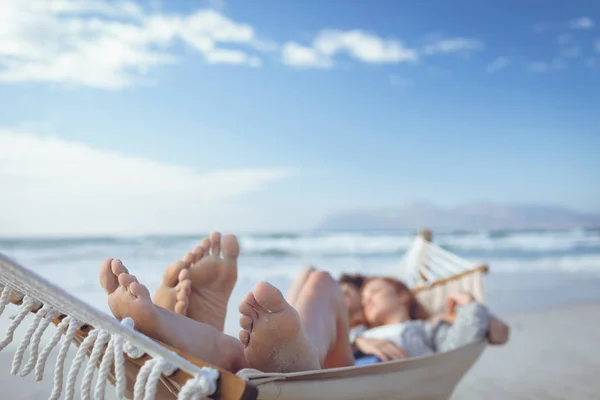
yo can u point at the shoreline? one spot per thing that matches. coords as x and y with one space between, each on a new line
552 354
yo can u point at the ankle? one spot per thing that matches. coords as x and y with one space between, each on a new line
232 351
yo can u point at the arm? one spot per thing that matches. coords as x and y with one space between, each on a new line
415 340
385 350
471 323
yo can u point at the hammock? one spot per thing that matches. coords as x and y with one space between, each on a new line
142 368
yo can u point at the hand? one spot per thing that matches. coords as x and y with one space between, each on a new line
498 331
384 349
458 299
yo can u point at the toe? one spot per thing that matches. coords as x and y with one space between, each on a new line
126 279
269 297
246 322
118 268
230 247
108 280
205 246
198 252
170 277
189 259
139 290
246 308
244 337
185 287
184 275
215 240
181 307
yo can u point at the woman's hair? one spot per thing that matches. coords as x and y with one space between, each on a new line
416 310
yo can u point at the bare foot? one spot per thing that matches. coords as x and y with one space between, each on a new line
211 281
272 334
129 298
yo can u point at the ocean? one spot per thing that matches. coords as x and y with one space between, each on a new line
529 269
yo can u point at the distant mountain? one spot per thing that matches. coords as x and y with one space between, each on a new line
467 217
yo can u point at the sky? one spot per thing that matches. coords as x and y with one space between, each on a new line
123 117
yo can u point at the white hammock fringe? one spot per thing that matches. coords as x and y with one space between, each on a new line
62 355
99 341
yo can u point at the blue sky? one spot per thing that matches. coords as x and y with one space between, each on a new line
310 107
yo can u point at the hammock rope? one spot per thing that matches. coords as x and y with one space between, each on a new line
425 263
109 339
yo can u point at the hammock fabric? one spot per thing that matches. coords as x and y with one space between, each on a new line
142 368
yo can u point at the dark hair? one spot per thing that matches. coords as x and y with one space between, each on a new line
356 280
416 310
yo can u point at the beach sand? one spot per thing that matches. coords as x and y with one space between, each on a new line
553 354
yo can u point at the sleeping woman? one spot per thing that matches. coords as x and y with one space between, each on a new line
390 323
395 315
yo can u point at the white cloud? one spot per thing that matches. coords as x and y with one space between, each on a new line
300 56
498 64
539 66
51 186
360 45
453 45
109 44
543 66
582 23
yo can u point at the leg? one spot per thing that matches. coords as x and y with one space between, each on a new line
206 278
279 338
128 298
298 284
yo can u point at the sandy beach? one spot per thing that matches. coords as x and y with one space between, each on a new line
553 354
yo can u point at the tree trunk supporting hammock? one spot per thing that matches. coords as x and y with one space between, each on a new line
145 369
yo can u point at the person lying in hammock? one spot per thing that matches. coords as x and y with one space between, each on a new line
379 344
310 332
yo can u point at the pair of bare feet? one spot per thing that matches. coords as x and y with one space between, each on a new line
190 306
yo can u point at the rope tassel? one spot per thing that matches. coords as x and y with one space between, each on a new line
5 298
40 365
60 360
86 382
35 341
28 305
87 343
104 370
18 358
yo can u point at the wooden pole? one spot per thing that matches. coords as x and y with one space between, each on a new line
427 235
